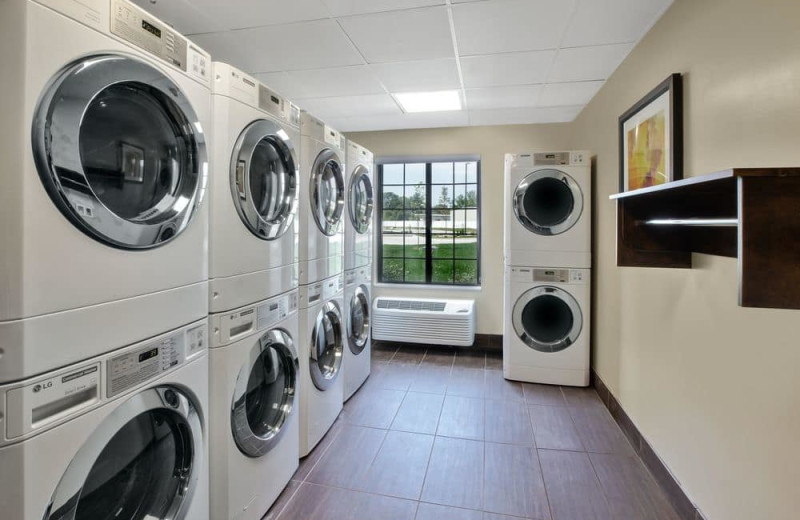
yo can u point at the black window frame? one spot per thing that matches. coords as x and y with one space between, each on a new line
429 210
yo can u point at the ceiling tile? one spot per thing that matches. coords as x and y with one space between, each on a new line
612 21
350 106
521 116
403 121
240 14
350 7
418 76
180 14
587 63
415 34
515 68
566 94
313 45
510 25
503 97
340 81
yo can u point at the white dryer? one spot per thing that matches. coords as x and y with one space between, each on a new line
322 193
104 229
253 193
321 347
254 398
357 305
548 209
123 435
546 333
359 203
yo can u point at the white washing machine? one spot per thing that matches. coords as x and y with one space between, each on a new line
546 333
253 194
322 193
254 397
359 203
548 209
123 435
357 305
104 154
321 349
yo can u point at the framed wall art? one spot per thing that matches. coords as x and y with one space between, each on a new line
651 138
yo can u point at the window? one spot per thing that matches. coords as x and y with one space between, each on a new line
429 222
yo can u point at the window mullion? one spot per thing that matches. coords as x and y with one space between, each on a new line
428 223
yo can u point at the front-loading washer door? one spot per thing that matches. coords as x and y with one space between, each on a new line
142 462
327 346
547 319
360 199
358 320
120 151
548 202
327 192
264 177
263 399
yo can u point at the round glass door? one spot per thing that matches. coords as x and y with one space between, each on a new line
360 199
326 346
327 192
263 399
359 323
547 319
142 463
548 202
120 151
264 179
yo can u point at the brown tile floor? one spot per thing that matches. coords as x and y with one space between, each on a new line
440 435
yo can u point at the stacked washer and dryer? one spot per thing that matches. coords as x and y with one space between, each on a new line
547 254
103 334
358 267
254 383
321 259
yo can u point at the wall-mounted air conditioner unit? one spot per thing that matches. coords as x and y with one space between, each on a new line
422 320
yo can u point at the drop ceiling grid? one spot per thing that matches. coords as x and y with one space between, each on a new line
513 61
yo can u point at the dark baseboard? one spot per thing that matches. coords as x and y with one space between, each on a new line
488 342
675 494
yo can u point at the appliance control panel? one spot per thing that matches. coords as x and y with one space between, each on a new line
276 309
333 137
350 278
331 286
551 275
271 102
137 366
136 26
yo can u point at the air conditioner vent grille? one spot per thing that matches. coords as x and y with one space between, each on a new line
412 305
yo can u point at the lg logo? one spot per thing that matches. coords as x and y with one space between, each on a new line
43 386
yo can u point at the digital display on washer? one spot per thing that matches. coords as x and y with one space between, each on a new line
152 29
150 354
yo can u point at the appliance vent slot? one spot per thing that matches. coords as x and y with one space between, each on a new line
412 305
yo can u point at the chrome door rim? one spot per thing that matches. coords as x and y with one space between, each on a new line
328 226
361 225
243 150
324 380
556 229
358 342
542 346
56 150
69 488
250 443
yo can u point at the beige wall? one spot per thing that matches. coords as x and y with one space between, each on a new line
491 143
715 388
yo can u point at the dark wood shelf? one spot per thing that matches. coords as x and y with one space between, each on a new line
752 214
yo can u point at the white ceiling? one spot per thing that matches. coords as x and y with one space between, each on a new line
514 61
